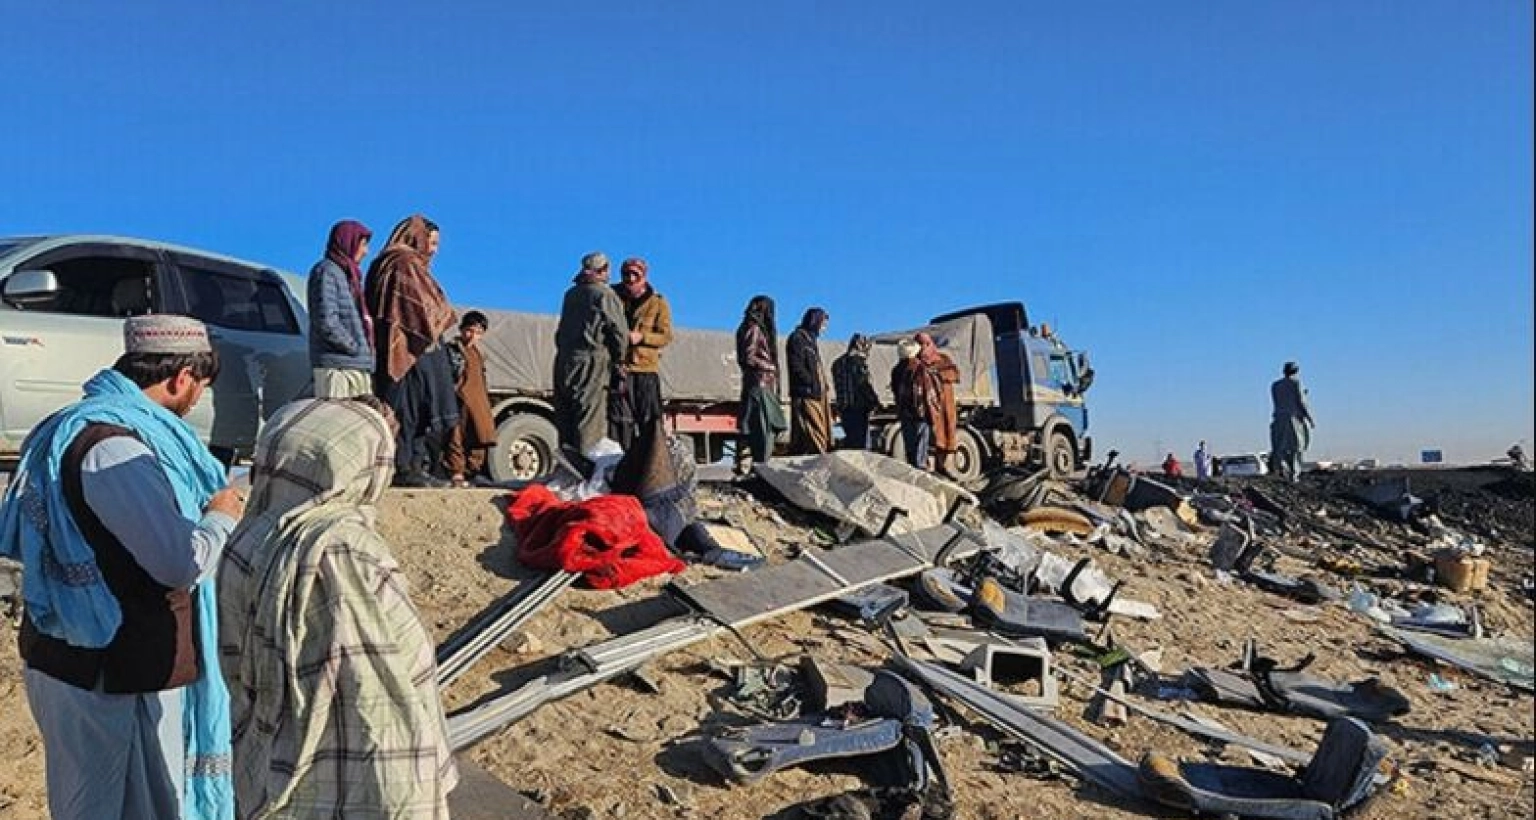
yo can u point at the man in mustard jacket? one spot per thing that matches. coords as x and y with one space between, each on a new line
650 330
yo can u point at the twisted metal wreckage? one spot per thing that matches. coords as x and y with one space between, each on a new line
1338 776
713 608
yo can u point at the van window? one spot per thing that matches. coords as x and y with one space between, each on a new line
236 301
98 285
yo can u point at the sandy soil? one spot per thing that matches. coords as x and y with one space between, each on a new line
621 750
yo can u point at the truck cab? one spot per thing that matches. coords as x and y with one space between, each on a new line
1040 415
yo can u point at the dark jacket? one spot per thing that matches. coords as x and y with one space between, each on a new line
804 365
592 322
756 357
336 335
1290 399
909 389
851 383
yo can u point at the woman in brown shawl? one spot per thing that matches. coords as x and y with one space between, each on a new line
757 353
943 375
412 373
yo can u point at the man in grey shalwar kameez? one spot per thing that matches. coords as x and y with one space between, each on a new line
590 341
1290 430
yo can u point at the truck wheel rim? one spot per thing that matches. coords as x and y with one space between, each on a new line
525 459
1063 461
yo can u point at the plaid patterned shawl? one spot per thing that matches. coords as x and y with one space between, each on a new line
331 671
410 311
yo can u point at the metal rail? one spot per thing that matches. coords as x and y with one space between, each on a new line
461 651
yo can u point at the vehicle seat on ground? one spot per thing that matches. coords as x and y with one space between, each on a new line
1340 776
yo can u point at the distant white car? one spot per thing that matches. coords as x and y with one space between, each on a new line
1245 464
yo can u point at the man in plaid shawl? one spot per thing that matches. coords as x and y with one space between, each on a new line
331 673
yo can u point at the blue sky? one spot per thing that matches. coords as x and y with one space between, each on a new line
1194 192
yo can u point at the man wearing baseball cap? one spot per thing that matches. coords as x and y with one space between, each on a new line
119 514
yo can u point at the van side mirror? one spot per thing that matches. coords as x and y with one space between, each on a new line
30 287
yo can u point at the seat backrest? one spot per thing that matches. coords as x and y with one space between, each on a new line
130 297
1343 770
890 695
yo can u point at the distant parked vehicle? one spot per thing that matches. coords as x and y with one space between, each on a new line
61 319
1246 464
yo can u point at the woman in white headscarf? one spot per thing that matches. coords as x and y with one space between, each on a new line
331 672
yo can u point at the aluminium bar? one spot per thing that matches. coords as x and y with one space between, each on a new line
1190 726
621 651
466 727
1091 759
809 554
457 654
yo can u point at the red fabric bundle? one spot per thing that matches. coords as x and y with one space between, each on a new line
605 538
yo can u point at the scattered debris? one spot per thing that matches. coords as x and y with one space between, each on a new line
1506 660
1022 669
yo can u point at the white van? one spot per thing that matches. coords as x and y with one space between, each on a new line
1241 465
62 304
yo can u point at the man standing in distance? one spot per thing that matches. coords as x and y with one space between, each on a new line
1290 428
590 343
476 430
757 354
943 413
810 419
650 329
911 389
856 396
412 372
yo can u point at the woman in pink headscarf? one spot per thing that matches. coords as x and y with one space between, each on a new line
340 330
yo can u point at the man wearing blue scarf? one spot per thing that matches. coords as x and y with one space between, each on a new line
119 515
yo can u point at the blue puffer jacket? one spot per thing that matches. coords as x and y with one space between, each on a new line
336 335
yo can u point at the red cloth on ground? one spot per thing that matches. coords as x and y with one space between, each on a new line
605 538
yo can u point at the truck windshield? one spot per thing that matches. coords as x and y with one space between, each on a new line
1061 370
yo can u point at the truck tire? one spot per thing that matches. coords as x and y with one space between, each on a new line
1060 458
525 448
965 464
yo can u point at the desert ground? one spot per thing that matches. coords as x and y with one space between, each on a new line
629 748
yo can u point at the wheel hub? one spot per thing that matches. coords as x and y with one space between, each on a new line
524 458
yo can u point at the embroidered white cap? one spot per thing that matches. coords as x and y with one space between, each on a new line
165 333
